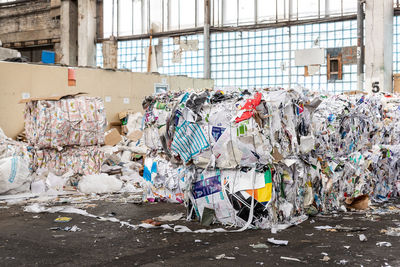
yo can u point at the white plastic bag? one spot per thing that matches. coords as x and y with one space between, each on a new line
99 183
14 173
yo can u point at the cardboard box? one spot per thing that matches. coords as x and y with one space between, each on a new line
112 137
117 125
118 128
135 136
359 203
51 98
125 113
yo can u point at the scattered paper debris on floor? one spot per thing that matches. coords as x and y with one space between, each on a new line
63 219
259 245
383 244
349 229
362 238
290 259
74 228
323 227
223 256
36 208
339 228
169 217
325 258
277 242
392 231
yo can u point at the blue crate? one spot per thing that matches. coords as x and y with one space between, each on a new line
48 57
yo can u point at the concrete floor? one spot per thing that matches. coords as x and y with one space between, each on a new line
26 239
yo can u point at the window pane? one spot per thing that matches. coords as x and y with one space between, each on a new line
266 10
137 17
125 17
308 9
246 11
187 13
156 15
230 12
174 15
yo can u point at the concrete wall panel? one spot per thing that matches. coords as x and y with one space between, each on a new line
45 80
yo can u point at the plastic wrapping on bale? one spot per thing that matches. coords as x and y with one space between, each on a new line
70 121
274 156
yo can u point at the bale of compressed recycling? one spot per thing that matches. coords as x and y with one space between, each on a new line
357 138
65 133
78 120
82 160
266 157
236 150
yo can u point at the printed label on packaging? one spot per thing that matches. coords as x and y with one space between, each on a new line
217 132
207 187
26 95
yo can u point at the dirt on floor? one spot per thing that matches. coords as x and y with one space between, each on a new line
30 239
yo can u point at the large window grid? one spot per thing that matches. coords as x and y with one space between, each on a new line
249 59
261 58
253 59
191 61
327 35
131 55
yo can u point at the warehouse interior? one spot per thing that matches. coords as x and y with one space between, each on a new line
215 132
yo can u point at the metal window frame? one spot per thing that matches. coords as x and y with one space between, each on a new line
218 15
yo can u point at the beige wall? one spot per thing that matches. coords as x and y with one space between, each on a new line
45 80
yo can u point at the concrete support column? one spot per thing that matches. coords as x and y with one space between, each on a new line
69 32
379 45
87 33
110 53
360 45
207 54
